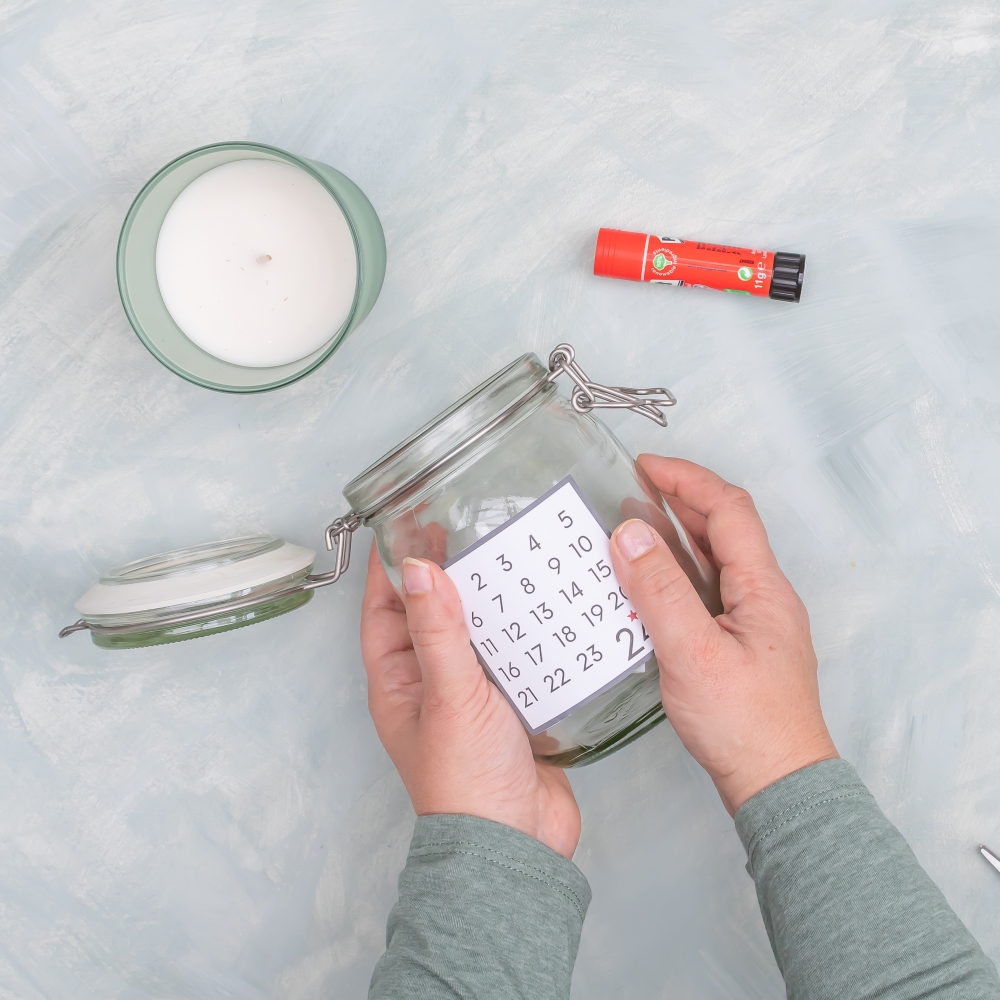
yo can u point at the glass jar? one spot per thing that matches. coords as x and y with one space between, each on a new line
480 463
491 455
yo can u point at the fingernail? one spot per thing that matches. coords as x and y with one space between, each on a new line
417 577
635 538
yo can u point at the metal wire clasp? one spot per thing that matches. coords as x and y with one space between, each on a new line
338 534
589 395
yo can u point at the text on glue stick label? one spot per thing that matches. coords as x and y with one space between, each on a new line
547 618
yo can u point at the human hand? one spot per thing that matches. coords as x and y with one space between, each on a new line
457 744
739 689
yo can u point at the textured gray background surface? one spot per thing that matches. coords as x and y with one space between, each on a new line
217 819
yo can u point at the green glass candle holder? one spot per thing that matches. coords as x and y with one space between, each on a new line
140 293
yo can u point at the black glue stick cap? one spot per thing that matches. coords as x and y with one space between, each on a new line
786 279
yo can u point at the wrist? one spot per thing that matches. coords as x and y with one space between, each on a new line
548 814
742 785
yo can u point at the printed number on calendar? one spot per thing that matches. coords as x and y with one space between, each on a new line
546 615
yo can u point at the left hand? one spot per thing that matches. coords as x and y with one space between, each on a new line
458 746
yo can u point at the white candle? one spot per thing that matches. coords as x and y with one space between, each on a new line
256 263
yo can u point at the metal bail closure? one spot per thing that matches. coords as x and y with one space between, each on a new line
338 534
589 395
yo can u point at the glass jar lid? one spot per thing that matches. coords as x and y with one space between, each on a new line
200 574
194 559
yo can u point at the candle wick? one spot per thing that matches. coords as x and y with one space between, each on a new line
264 258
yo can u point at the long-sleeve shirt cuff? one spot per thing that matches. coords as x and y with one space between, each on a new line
484 911
847 907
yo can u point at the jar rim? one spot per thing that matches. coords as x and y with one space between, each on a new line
438 443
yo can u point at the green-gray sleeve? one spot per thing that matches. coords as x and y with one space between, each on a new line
849 911
484 912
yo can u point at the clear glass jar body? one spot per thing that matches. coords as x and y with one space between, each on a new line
509 467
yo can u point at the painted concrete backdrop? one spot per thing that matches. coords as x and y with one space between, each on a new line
217 818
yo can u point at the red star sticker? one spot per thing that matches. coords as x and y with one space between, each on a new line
633 616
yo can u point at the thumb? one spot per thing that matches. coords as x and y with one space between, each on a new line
450 672
668 604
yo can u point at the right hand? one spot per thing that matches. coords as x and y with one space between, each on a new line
739 689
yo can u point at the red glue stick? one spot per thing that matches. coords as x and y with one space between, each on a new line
664 260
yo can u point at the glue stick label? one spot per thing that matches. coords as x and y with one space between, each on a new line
671 261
